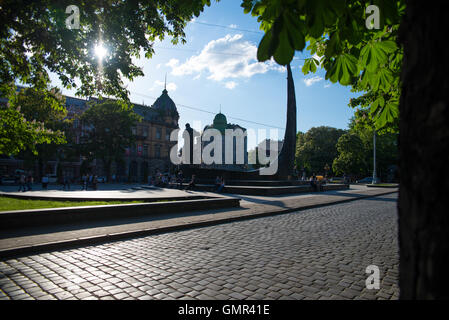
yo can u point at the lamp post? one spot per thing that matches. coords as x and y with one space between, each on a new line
326 169
375 179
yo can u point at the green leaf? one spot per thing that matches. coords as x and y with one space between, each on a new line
265 51
284 52
343 69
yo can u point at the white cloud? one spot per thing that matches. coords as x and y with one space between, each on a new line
233 26
171 86
229 57
230 84
327 85
158 65
312 80
172 63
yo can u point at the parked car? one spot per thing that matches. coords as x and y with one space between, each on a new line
101 179
8 180
52 178
336 179
365 180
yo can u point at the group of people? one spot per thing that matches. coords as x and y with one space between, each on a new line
89 181
317 184
25 182
162 180
219 184
170 181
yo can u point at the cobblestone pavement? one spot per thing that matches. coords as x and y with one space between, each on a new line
319 253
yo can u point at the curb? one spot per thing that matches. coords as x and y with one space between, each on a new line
73 243
52 216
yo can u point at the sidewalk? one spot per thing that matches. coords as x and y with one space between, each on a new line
30 240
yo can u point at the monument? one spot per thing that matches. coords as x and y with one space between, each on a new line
285 159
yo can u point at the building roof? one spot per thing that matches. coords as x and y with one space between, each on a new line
221 123
165 105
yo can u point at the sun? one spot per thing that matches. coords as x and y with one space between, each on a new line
100 51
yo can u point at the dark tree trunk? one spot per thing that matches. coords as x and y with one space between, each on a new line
287 155
423 147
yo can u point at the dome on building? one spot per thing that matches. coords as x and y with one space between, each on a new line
220 119
165 104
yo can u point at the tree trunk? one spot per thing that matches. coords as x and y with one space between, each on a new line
423 149
287 155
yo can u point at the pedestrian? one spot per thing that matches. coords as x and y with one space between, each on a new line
29 181
22 183
221 186
180 179
94 182
45 182
217 183
91 177
191 184
84 182
313 182
66 182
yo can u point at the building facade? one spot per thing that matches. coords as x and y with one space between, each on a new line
221 124
150 152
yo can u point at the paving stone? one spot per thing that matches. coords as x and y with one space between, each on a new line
318 254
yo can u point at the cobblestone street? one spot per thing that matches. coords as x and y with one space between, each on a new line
318 253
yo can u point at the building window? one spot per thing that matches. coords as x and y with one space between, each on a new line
145 150
167 135
134 131
133 149
158 133
157 151
145 132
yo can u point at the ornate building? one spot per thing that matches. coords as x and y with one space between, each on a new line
221 124
150 152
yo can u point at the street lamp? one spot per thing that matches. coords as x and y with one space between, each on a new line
375 179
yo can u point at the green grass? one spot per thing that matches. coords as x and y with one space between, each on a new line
384 185
9 204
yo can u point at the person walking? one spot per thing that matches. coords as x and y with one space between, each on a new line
84 182
191 185
313 182
29 181
66 182
94 182
221 186
22 183
180 179
45 182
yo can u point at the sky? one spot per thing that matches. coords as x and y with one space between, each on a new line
217 69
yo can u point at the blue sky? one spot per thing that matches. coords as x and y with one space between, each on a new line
218 66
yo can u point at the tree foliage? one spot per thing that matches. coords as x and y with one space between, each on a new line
34 39
110 132
30 119
355 150
368 60
317 148
351 157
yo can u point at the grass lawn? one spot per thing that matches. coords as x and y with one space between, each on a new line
9 204
387 185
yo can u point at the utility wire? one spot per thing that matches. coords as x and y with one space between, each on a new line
210 112
212 52
226 27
